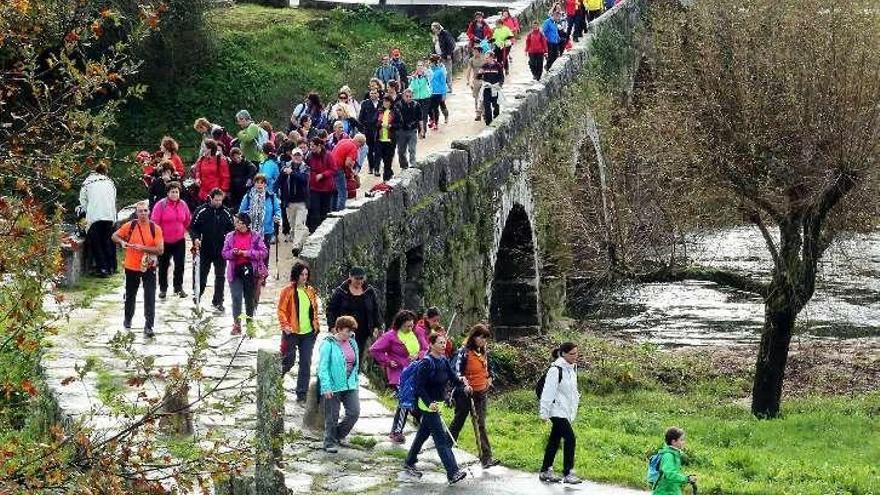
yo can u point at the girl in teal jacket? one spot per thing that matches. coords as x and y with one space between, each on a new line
338 378
420 84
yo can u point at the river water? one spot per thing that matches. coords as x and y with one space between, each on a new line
846 304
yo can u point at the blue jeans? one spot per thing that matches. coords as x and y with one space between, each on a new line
432 425
341 192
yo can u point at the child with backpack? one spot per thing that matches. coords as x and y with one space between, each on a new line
559 398
664 467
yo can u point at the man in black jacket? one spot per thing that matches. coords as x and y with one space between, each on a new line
407 138
357 299
369 119
210 224
444 45
293 189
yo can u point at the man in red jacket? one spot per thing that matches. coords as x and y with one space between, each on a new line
536 48
322 183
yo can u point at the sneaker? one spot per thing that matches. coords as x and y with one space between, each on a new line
218 308
397 438
331 449
549 477
295 252
162 295
457 477
571 479
478 117
412 471
300 399
236 329
148 332
490 463
181 294
126 325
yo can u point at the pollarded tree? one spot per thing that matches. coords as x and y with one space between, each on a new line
777 105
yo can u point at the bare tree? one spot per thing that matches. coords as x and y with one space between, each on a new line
774 107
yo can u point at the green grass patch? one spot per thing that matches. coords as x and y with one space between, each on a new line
632 393
267 60
90 288
363 442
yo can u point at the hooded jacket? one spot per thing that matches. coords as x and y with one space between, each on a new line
293 187
341 304
671 478
98 198
332 374
211 171
560 398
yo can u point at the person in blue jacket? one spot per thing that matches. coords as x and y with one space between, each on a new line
338 379
439 87
551 32
269 166
261 203
433 374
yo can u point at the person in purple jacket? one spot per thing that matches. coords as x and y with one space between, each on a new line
393 351
244 252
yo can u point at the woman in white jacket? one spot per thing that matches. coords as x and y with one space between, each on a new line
97 199
559 404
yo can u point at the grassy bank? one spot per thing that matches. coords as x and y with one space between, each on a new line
267 60
631 393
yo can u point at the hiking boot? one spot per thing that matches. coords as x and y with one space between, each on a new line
180 293
331 449
148 333
549 477
162 295
478 117
490 463
457 477
571 479
412 471
126 325
236 329
398 438
218 308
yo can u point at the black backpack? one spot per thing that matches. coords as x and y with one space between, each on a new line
539 386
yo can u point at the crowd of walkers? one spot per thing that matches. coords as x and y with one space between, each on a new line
246 192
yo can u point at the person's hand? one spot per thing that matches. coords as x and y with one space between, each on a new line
328 395
692 478
376 333
319 177
286 330
489 381
123 244
434 407
468 390
393 364
198 182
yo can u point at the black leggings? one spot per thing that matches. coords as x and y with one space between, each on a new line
437 106
177 251
561 431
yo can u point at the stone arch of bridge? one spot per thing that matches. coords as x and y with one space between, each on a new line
514 291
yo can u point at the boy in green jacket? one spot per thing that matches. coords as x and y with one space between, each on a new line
671 478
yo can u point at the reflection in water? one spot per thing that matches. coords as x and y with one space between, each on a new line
846 303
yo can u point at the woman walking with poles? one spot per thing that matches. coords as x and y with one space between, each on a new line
244 252
559 404
471 365
432 376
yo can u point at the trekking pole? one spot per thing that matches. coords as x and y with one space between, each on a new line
693 488
476 429
454 443
277 269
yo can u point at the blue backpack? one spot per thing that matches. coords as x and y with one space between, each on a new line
406 390
654 472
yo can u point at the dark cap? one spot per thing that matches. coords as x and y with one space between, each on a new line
357 272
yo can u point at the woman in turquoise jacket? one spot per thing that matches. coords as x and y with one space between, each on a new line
438 97
338 378
420 84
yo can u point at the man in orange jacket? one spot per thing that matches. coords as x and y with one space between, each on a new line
298 318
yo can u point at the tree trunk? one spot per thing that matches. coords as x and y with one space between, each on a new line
779 317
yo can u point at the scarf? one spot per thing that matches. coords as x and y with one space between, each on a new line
258 210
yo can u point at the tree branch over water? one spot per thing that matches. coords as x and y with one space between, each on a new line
704 273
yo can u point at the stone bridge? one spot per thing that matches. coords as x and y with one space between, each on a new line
459 229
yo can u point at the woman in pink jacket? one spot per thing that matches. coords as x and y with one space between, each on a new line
173 217
394 350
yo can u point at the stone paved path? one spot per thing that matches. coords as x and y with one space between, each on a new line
308 469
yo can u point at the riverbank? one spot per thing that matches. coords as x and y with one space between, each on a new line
631 392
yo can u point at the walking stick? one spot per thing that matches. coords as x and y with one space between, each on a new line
197 276
277 269
476 429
